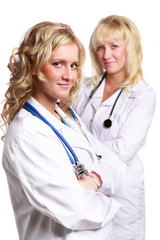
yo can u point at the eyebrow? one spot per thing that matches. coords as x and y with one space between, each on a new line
114 40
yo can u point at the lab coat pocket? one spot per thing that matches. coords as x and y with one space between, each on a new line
116 126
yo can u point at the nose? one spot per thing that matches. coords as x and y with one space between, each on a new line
107 53
68 74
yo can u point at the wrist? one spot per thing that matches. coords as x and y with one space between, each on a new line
95 181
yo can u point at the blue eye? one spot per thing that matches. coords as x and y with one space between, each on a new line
114 46
100 48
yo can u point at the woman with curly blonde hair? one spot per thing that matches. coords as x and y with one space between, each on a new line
117 106
45 154
27 60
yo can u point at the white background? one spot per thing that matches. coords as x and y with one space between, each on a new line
17 16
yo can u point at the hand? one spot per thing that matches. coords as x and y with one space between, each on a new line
88 182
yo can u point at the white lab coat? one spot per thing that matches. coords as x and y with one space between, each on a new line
47 199
131 119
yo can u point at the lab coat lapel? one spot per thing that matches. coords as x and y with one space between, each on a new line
72 132
45 113
76 139
112 99
95 101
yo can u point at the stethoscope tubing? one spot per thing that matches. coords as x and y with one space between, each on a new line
35 113
107 122
92 93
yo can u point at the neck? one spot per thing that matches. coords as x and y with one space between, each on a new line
115 81
112 84
47 104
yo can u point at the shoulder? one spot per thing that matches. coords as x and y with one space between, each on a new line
24 126
85 84
142 90
86 88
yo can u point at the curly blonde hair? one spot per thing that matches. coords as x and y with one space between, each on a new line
119 28
34 51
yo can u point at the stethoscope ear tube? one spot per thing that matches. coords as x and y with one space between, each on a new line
92 93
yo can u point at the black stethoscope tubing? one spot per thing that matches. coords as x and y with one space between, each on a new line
108 122
92 93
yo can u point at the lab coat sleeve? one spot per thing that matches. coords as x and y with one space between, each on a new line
132 134
45 173
111 170
109 167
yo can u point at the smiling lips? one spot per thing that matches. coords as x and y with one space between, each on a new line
109 63
64 85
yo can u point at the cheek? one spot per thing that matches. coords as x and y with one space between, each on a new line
124 59
76 75
47 73
121 56
100 58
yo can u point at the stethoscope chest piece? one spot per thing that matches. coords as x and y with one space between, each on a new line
107 123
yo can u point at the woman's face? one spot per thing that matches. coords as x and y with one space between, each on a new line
112 56
61 74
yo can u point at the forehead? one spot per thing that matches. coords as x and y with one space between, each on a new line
67 51
109 34
112 37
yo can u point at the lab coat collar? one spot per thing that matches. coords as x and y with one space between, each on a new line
69 120
132 92
53 120
62 128
80 142
97 97
45 113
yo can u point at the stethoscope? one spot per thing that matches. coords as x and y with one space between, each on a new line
108 122
78 167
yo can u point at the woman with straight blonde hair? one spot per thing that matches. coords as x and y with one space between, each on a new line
58 186
117 106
